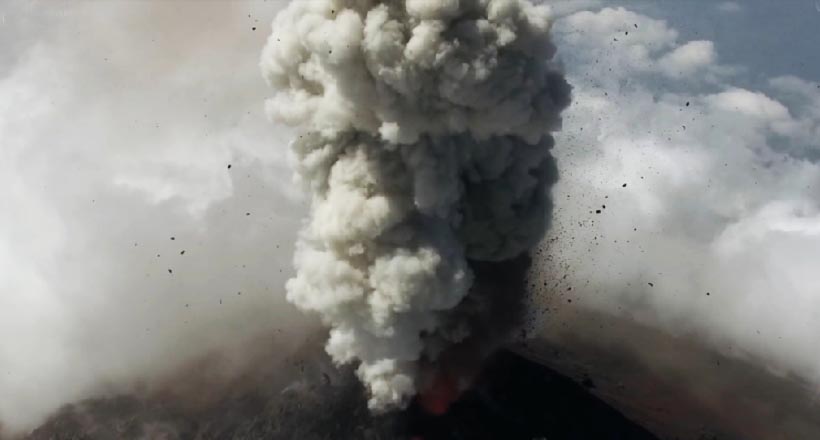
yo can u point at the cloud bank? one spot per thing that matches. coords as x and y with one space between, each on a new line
127 245
687 201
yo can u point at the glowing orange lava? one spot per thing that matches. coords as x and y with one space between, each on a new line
440 394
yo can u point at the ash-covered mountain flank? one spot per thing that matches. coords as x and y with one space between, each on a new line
512 398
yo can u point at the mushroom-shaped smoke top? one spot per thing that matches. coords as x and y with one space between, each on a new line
425 145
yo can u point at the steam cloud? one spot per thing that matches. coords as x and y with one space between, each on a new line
425 146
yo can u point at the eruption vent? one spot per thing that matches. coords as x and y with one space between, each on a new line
425 146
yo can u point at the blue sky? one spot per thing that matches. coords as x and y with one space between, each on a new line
767 37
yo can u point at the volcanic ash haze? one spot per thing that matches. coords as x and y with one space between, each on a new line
425 145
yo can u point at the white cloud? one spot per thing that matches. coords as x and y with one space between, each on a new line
803 97
688 58
722 192
729 7
748 103
601 29
117 124
619 43
562 8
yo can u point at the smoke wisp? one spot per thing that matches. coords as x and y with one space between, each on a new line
425 146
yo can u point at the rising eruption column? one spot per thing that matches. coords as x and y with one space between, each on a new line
424 143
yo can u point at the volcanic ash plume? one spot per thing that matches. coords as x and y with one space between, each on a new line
425 146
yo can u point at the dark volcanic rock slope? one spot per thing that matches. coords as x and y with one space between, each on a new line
512 399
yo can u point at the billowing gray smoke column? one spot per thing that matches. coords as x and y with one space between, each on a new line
425 144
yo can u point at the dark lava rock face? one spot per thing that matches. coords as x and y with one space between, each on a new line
513 398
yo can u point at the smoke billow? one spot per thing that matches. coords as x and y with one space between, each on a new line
425 146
